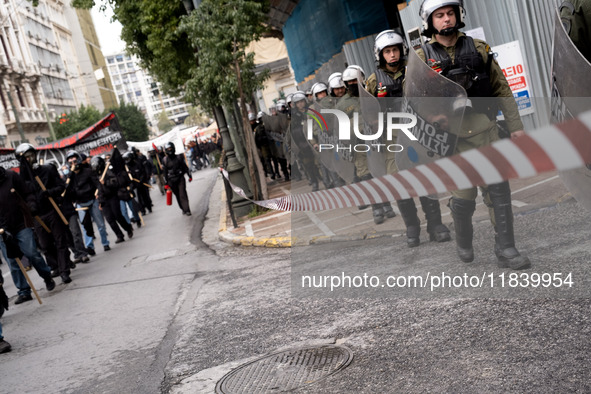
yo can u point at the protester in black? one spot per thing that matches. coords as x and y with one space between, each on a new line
46 185
175 169
108 199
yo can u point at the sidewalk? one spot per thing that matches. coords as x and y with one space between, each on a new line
279 229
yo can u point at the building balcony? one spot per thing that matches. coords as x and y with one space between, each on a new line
25 115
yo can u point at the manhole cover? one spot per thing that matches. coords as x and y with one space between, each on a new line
286 370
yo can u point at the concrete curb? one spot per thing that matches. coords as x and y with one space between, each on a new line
286 242
243 240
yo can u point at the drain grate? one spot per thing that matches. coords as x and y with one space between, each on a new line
286 370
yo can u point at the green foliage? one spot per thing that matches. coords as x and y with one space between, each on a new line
164 123
133 122
196 117
76 121
150 31
257 211
220 31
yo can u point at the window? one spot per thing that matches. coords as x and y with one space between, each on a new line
110 60
119 58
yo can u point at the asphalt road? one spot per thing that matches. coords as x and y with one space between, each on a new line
161 314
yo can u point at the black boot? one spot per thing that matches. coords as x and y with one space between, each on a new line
507 255
462 211
408 211
378 213
436 229
388 211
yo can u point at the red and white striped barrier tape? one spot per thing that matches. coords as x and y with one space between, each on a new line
562 147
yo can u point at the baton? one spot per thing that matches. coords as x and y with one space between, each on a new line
157 157
105 171
68 181
20 264
37 218
141 218
143 183
59 212
42 223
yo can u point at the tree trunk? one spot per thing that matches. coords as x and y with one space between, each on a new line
251 150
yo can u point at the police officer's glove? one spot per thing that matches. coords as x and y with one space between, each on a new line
45 194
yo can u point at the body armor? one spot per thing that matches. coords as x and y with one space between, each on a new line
386 85
468 70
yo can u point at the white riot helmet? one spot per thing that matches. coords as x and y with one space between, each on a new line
319 87
335 81
288 98
298 96
388 38
251 116
260 115
429 6
280 106
353 73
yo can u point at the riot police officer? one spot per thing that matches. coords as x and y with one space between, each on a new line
175 169
296 139
349 103
385 82
319 91
470 62
336 86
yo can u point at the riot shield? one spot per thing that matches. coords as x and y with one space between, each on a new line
571 95
371 126
276 127
330 153
438 105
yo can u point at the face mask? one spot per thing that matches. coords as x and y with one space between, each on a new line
353 89
66 171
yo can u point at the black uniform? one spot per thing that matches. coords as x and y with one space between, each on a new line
175 169
54 245
140 178
109 203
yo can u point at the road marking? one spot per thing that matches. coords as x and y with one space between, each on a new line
518 203
536 184
270 217
248 229
323 227
518 190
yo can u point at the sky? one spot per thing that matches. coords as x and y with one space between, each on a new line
108 33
